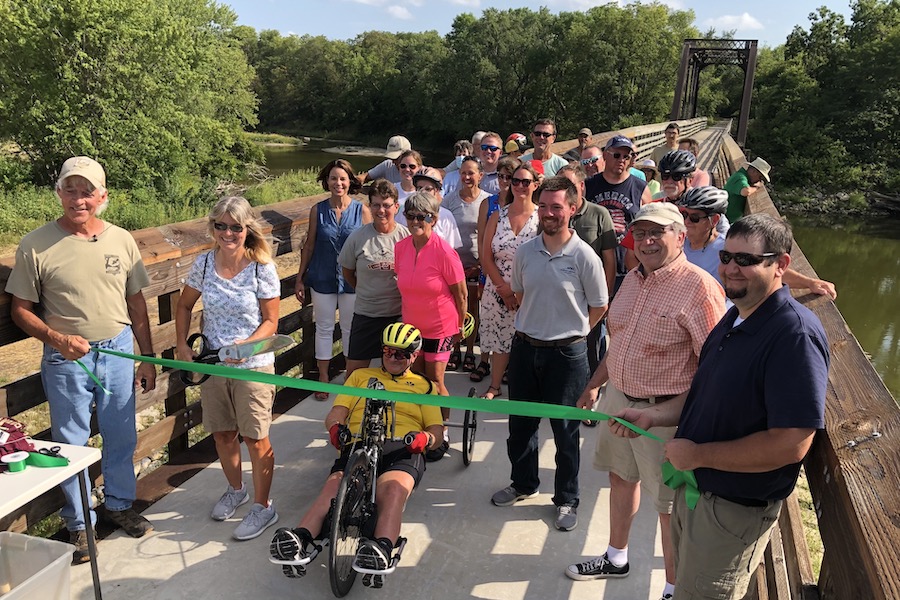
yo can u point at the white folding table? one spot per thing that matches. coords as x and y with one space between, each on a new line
23 487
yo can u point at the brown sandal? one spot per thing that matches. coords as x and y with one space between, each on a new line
480 372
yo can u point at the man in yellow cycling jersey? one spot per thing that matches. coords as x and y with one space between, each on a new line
401 466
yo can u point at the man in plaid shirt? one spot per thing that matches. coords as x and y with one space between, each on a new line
658 322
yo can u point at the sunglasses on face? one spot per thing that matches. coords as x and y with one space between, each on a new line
522 182
621 155
426 217
225 227
382 205
676 177
589 161
503 177
396 353
743 259
693 218
412 167
489 148
542 134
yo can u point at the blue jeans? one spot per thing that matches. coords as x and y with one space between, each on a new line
73 396
551 376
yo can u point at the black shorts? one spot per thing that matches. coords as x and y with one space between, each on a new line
365 336
396 457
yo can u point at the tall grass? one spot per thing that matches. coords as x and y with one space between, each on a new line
25 207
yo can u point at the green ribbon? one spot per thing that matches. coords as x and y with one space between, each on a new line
500 406
38 459
92 376
674 478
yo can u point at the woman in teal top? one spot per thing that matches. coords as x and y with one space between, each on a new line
331 221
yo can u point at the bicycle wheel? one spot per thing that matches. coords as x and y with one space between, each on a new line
348 519
470 425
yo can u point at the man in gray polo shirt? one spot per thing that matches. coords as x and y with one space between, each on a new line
561 288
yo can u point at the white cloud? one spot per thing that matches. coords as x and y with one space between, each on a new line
472 3
369 2
739 22
399 12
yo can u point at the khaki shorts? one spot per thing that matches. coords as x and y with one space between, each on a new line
236 405
634 460
718 546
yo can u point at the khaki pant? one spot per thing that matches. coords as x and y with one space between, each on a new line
237 405
718 546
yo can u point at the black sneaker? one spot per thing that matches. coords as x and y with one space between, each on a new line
131 521
438 453
79 540
596 568
292 546
373 555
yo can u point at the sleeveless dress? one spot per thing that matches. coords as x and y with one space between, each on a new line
497 326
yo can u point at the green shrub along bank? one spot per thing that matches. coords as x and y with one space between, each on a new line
25 207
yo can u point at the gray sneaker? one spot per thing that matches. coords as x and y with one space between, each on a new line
228 503
509 496
256 521
566 518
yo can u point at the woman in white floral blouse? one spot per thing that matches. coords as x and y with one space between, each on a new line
241 292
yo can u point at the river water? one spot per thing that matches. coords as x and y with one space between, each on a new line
861 257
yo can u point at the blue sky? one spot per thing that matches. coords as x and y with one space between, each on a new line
769 21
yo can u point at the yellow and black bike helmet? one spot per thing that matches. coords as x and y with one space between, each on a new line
403 336
468 326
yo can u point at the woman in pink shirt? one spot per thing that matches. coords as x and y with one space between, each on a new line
433 293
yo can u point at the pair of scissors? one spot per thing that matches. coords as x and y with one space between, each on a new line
51 451
206 355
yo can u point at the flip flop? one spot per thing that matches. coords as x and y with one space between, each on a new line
321 395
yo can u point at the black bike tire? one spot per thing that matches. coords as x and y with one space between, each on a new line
470 426
346 525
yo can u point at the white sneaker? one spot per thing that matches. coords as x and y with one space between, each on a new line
256 521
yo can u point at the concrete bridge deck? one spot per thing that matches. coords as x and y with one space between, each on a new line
460 545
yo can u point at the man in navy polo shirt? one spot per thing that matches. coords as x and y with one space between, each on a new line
755 404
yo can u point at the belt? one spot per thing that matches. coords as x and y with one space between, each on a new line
551 343
651 399
751 502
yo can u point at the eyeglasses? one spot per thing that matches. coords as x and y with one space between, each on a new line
542 134
412 167
503 177
225 227
693 218
743 259
583 135
426 217
621 155
589 161
471 158
376 206
654 234
522 182
396 353
676 177
488 148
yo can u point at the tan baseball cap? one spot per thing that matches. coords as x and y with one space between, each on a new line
661 213
397 145
84 166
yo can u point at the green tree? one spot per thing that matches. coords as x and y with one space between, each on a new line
154 90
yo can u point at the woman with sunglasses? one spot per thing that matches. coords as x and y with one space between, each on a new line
505 169
516 222
465 203
241 294
433 294
409 162
331 222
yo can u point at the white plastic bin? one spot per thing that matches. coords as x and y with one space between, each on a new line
32 568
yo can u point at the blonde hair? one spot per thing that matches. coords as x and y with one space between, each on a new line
256 244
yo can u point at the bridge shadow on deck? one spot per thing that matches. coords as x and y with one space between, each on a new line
460 546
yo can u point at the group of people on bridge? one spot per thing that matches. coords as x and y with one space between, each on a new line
669 310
